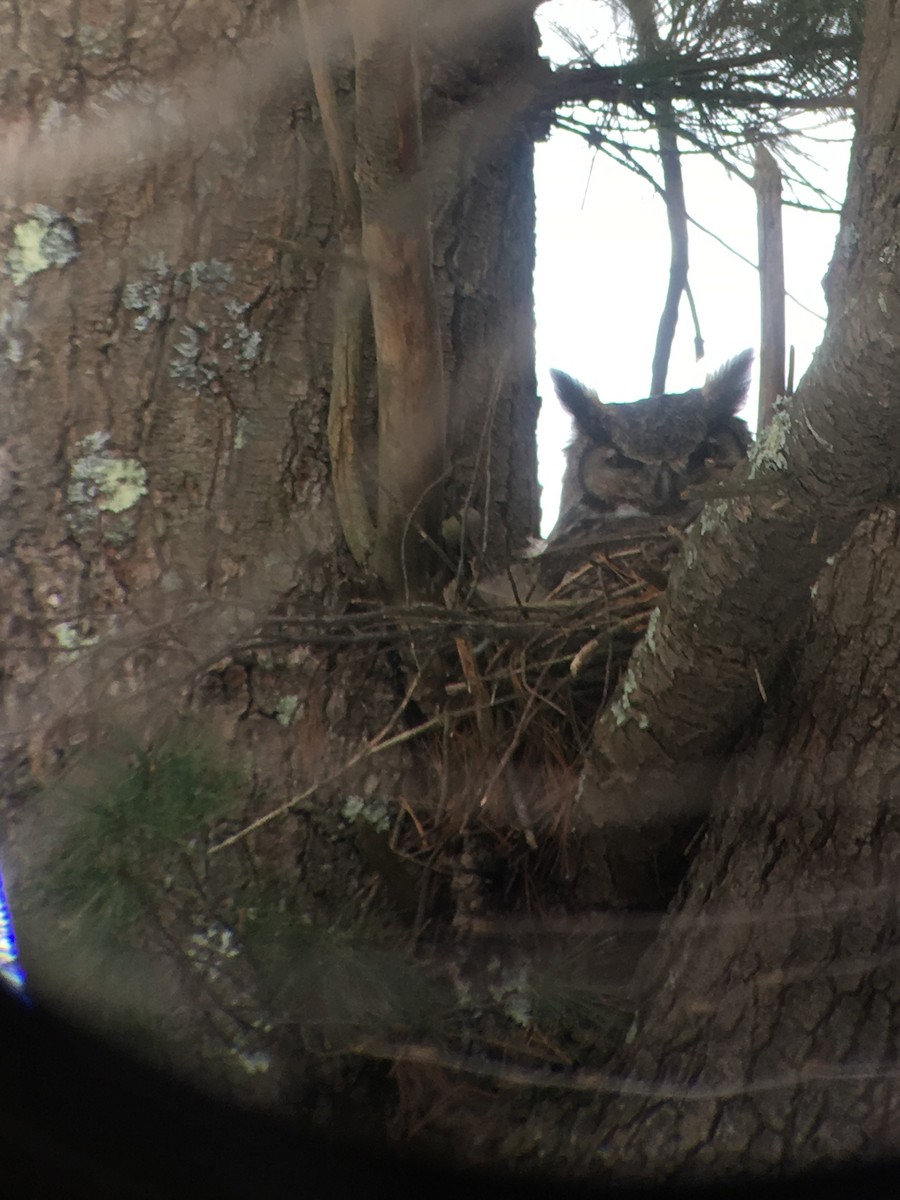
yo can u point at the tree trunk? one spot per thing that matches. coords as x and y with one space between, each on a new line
770 1007
173 257
171 268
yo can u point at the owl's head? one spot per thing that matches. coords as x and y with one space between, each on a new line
637 459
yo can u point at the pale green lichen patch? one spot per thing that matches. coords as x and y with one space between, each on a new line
112 484
12 340
103 481
121 484
43 240
54 117
211 947
147 300
203 350
254 1062
769 452
240 433
514 993
251 345
621 707
652 626
189 365
213 274
286 709
72 636
374 811
712 515
149 295
246 342
99 41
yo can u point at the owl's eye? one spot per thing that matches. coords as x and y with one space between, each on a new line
621 462
705 455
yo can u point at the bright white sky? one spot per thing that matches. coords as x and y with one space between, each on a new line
603 261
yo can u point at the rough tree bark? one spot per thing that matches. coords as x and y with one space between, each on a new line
772 1007
172 256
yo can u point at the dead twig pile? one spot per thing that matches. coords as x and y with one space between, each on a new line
603 605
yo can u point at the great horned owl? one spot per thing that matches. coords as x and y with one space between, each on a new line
636 460
627 469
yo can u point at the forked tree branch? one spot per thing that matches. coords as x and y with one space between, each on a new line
397 250
679 263
643 18
351 302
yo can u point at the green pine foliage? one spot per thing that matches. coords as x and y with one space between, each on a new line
130 817
775 56
725 74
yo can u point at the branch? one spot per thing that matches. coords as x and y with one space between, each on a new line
771 284
676 213
623 85
643 19
351 305
623 155
336 140
397 250
737 595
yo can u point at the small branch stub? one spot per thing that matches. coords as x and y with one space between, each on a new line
767 182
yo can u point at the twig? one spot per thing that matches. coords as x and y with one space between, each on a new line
505 1075
374 745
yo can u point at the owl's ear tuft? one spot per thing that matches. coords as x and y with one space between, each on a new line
583 404
726 389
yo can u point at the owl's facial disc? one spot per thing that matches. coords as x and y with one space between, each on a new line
614 483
